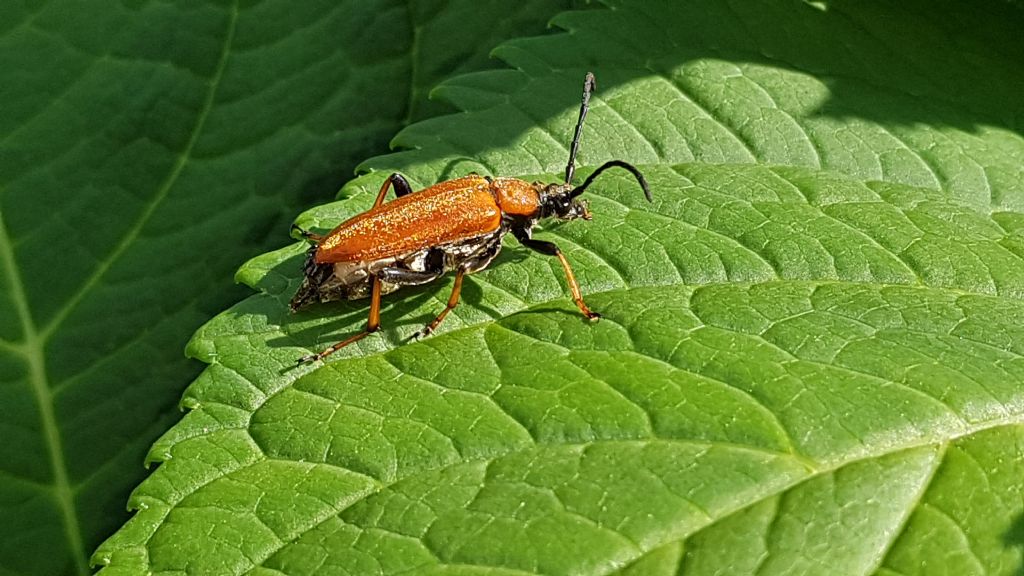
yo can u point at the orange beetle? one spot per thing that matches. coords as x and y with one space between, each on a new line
454 225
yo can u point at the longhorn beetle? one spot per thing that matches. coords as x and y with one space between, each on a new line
454 225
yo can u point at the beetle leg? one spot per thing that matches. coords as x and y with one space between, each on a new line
314 238
401 188
550 249
401 185
372 325
453 301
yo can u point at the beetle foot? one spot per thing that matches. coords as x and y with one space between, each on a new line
306 234
423 332
307 358
593 316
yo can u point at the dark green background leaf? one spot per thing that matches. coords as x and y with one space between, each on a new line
146 149
810 360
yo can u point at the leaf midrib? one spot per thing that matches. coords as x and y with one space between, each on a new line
32 349
162 191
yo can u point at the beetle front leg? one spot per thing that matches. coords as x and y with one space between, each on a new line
551 249
401 185
372 325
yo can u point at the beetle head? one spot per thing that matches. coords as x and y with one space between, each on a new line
556 200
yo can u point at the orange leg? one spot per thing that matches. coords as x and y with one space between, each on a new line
453 301
551 250
372 325
574 287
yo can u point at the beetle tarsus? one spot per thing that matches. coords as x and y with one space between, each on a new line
589 314
306 234
334 348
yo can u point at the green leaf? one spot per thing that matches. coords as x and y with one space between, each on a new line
811 353
145 150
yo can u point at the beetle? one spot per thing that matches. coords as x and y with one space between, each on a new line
456 225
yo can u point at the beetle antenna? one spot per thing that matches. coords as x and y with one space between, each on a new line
588 86
612 164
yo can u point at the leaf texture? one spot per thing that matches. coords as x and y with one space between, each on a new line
147 148
810 357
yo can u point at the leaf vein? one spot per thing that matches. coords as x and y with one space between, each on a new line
162 191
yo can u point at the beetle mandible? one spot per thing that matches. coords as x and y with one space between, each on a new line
454 225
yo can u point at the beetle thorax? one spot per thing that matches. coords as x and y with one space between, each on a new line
516 198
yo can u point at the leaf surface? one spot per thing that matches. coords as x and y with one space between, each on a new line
810 357
145 150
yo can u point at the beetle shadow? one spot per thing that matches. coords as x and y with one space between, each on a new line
338 319
472 288
473 295
345 319
553 309
408 306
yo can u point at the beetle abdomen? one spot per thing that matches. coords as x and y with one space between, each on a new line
352 280
448 212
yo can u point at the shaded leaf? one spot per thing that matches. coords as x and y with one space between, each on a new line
146 149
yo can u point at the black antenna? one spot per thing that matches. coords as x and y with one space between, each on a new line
612 164
588 86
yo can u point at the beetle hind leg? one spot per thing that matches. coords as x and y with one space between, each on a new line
372 325
397 181
306 234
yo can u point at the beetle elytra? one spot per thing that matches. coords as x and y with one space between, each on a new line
456 225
